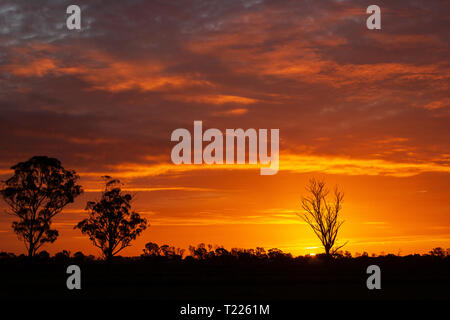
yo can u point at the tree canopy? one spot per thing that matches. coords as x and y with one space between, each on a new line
112 225
39 189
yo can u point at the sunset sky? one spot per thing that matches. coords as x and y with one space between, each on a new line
368 110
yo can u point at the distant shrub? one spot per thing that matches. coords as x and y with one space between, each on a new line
62 255
43 255
437 252
79 255
169 252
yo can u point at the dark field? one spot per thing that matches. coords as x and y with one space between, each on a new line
188 281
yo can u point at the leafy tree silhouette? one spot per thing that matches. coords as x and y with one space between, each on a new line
437 252
39 189
199 252
170 252
112 225
322 215
62 256
152 250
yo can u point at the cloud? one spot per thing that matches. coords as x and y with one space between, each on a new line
231 112
216 99
346 100
297 163
152 189
101 70
438 104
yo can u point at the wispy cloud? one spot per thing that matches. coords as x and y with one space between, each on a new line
153 189
291 163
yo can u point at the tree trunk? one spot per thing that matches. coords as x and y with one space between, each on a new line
31 257
109 255
327 253
31 251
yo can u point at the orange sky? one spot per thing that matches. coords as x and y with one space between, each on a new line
365 109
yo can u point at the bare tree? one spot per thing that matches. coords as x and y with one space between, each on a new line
322 215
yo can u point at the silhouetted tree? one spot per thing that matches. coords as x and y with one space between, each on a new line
276 253
79 256
151 250
112 225
260 252
221 252
323 215
62 255
39 189
242 254
43 255
170 252
199 252
437 252
7 255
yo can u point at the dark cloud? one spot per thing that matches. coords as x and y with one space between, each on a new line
113 92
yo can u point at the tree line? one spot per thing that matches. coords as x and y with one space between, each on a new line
209 253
